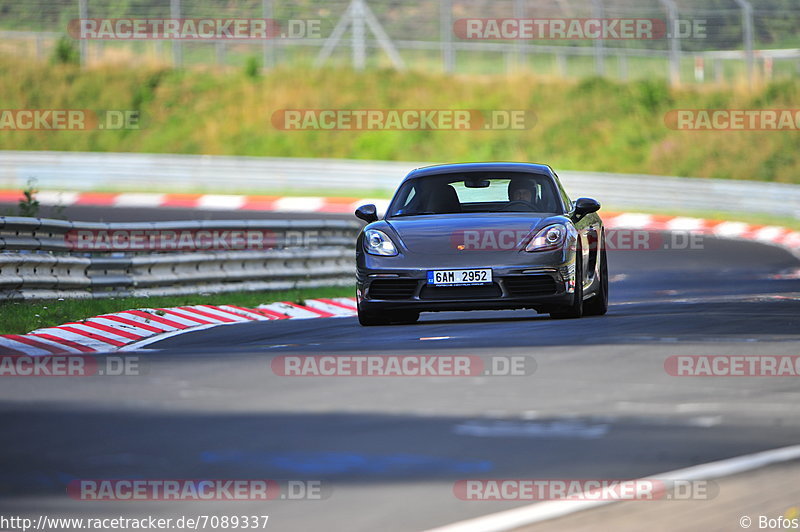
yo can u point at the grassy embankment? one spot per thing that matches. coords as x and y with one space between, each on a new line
591 125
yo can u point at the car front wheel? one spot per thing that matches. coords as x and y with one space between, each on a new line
598 305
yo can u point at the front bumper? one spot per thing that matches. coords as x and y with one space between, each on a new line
513 287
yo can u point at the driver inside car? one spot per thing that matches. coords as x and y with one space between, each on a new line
521 189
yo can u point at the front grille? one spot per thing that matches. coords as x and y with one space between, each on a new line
487 291
530 285
392 288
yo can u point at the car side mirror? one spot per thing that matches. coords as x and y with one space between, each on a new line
369 213
584 206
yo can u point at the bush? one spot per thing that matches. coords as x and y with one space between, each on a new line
65 52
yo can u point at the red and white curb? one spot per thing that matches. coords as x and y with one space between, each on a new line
112 332
220 202
766 234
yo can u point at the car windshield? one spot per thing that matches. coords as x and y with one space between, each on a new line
476 192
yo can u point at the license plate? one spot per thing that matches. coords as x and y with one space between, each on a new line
459 277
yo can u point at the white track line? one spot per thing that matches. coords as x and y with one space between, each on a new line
186 314
99 333
686 224
631 221
544 511
299 204
122 326
219 313
292 311
47 341
327 307
731 229
22 347
94 343
246 313
135 199
346 301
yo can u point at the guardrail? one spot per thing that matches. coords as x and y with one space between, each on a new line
44 258
195 173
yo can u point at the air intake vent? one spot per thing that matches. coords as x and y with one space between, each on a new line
392 288
489 291
530 285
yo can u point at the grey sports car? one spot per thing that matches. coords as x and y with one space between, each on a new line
481 236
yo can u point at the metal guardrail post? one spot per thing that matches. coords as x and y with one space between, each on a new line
674 42
38 261
358 40
747 23
446 35
268 50
599 45
83 14
177 46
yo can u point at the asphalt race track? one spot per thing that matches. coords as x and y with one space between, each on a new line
388 450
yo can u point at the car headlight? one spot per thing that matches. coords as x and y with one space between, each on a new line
547 239
378 243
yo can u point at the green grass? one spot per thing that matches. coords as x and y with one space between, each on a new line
20 317
589 125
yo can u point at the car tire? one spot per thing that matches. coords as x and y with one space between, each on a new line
598 305
575 309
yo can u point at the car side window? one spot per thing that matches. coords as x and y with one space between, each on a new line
563 193
410 197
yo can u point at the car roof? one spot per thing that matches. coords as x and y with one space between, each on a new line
455 168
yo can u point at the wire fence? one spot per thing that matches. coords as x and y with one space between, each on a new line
688 41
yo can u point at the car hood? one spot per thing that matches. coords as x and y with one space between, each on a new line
456 233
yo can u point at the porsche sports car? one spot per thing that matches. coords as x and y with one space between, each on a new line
481 236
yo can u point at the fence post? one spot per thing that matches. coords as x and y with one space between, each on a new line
561 64
446 35
83 13
747 23
699 69
220 53
519 13
674 42
359 43
599 45
177 50
268 51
